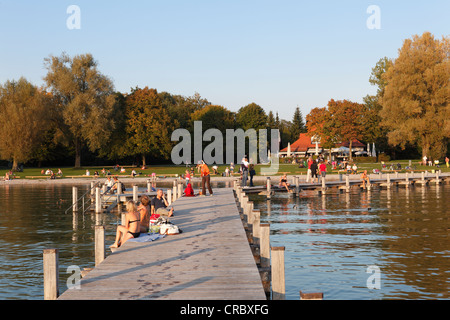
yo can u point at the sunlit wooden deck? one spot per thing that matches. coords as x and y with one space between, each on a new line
210 259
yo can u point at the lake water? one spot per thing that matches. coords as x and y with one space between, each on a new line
330 241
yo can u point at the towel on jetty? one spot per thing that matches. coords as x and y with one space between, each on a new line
147 237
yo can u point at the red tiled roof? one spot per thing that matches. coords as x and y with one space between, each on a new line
355 143
302 144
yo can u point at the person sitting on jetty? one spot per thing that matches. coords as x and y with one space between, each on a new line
283 182
354 169
364 178
108 183
189 191
115 186
144 211
160 204
132 227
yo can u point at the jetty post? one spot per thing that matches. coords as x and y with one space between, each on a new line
98 200
180 190
269 188
278 274
135 193
174 191
74 199
51 274
99 244
169 196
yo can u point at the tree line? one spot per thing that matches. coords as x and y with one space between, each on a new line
78 111
411 109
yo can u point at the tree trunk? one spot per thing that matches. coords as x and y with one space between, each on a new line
143 160
15 165
350 150
77 153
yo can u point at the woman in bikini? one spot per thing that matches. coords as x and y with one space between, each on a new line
283 182
132 227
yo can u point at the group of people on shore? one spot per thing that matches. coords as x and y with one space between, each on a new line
316 168
429 162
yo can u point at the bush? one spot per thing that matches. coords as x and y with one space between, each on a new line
384 157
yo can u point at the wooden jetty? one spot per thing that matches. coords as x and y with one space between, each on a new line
210 259
347 182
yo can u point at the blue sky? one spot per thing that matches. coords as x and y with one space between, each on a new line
279 54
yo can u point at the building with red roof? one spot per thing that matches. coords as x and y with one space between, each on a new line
307 145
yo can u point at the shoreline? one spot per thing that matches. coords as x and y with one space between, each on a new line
128 180
143 180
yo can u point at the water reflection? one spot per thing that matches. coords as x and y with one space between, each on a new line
330 240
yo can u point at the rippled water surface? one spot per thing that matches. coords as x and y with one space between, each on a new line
330 241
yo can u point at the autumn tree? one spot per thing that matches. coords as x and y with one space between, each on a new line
148 125
338 122
85 100
345 121
25 117
416 100
318 122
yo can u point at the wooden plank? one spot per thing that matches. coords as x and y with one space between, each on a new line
210 259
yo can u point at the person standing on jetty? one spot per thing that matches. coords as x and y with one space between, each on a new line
206 179
244 170
314 169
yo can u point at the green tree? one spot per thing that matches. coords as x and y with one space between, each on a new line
180 108
148 125
25 117
252 116
298 125
271 121
116 149
85 100
416 98
213 116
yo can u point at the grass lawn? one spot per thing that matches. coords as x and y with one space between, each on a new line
171 170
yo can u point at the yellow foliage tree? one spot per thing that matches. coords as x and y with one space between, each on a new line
416 100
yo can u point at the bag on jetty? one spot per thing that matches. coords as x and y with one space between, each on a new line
169 229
